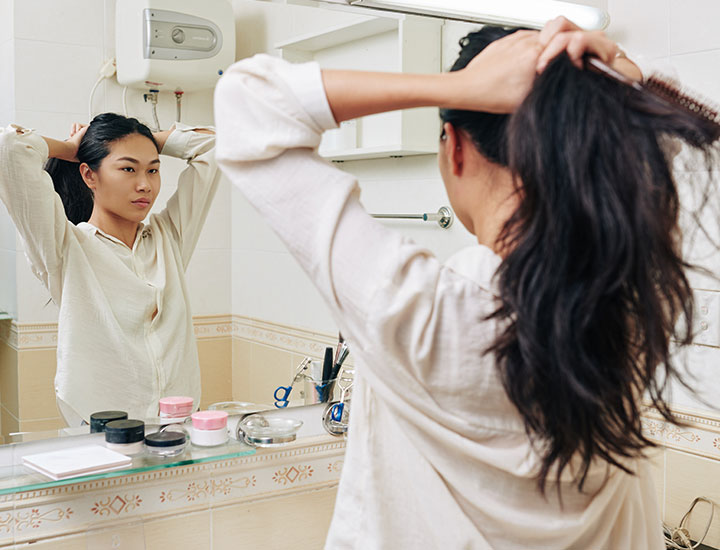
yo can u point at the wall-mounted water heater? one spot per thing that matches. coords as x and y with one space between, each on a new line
173 45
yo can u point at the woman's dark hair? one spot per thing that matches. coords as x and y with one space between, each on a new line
594 284
104 129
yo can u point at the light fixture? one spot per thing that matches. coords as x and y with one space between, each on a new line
518 13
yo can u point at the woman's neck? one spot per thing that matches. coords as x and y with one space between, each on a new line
121 228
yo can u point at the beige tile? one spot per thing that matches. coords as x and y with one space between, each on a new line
72 542
8 422
269 368
191 531
47 424
215 370
9 378
241 365
36 377
268 524
686 477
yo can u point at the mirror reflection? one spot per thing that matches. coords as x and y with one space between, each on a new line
168 282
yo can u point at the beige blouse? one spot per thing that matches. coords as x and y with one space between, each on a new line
112 353
437 455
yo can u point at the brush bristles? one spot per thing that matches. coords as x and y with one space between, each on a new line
671 92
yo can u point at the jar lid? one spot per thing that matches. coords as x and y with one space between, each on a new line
99 419
176 405
209 420
165 439
124 431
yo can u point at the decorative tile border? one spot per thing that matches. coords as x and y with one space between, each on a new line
270 473
700 434
287 338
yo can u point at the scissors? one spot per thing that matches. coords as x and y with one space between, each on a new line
284 391
282 402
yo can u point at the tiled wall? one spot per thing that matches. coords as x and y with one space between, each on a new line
682 38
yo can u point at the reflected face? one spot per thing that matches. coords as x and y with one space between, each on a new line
128 180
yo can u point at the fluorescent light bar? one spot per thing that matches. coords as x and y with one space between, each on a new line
519 13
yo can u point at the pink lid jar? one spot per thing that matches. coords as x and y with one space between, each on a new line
209 428
175 407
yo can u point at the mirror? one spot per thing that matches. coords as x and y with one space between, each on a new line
256 315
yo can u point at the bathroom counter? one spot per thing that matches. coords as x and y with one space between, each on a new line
272 498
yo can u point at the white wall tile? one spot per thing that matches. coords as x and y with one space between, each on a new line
641 26
77 22
693 26
108 29
8 282
271 286
208 277
48 123
6 20
54 77
7 76
7 230
696 71
700 363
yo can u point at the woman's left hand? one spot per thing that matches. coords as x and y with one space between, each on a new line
561 35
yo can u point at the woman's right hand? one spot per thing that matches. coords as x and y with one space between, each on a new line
77 131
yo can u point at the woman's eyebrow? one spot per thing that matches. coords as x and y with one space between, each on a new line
135 161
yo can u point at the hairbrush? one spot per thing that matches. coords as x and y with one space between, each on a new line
665 90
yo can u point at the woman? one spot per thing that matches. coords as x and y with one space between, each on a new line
497 397
125 335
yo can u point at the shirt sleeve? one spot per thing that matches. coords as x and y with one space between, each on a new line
187 209
35 208
379 286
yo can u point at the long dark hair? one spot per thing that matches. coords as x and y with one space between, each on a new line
594 284
77 198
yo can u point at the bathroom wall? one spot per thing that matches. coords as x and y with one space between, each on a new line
681 39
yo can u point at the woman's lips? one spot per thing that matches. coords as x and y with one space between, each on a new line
141 203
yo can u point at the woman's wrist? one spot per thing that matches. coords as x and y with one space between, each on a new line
63 150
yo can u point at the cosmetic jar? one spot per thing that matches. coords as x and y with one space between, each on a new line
175 407
99 419
209 428
125 436
167 443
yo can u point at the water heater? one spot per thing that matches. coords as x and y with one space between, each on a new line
173 45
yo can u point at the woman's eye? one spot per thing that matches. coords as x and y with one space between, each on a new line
128 169
154 170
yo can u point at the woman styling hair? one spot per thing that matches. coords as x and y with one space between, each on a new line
497 400
125 335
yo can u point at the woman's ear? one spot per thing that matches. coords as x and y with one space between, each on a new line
88 176
453 149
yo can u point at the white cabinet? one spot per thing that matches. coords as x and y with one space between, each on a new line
390 43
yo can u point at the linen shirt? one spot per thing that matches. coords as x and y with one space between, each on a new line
437 455
112 353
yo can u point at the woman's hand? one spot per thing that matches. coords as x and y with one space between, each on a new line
499 78
561 35
67 150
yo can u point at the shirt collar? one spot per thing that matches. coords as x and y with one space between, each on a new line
477 263
142 232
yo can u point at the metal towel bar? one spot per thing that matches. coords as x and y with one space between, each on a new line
444 217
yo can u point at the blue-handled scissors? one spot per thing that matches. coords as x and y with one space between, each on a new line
336 411
282 402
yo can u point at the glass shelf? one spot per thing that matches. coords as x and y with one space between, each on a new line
4 316
16 478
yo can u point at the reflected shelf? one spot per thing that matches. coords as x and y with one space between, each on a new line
16 478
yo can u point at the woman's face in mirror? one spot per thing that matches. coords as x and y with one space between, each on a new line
127 181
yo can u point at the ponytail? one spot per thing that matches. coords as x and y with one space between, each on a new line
594 283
